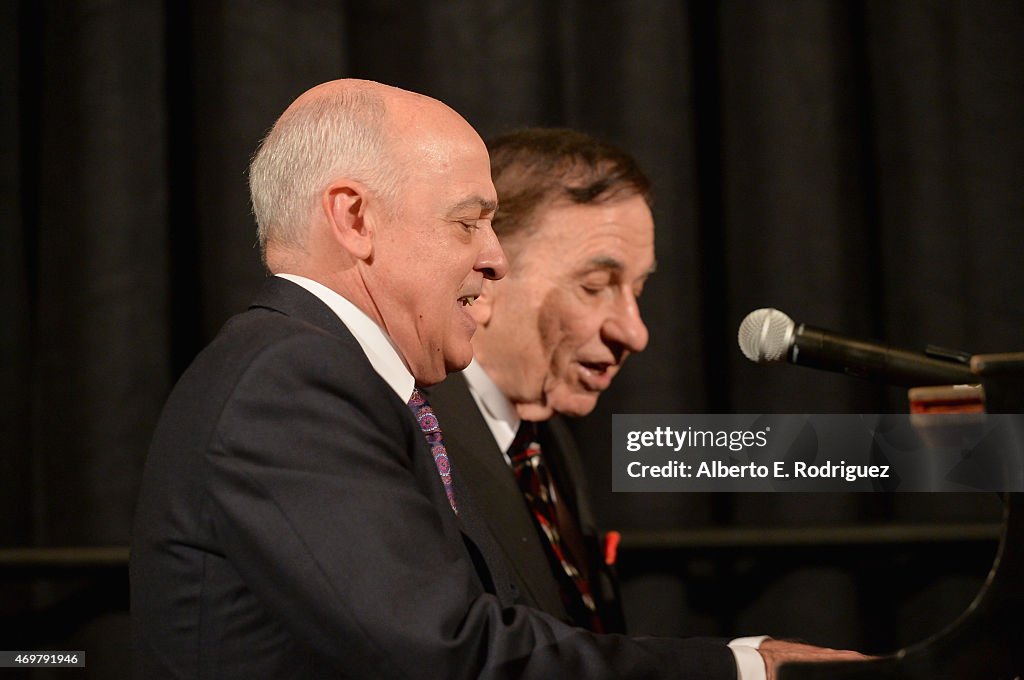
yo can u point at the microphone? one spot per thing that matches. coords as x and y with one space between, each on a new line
768 335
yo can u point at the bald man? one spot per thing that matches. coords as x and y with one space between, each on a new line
298 517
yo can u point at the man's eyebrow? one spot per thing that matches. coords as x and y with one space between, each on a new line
606 262
613 263
484 204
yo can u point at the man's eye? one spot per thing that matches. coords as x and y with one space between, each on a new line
469 226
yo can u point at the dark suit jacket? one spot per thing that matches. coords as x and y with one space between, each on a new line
475 454
291 524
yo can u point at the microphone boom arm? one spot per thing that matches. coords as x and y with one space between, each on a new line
870 361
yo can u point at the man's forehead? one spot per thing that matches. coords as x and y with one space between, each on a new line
603 226
435 138
456 169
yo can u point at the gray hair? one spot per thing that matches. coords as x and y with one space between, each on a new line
338 133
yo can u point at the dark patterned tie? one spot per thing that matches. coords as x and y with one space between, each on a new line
432 431
539 491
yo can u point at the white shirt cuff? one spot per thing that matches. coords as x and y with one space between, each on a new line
749 664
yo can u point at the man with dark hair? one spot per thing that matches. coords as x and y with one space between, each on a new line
575 222
574 219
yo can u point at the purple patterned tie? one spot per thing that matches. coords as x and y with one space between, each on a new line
432 431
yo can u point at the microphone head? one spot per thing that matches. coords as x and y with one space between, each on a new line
766 335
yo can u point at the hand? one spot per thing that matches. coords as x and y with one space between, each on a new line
776 652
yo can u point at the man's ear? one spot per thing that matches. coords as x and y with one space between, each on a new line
483 306
345 207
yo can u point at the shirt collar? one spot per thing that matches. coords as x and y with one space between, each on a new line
496 408
376 344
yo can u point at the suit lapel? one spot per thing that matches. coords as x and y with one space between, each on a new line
477 460
286 297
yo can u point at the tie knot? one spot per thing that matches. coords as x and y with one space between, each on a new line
525 444
423 412
417 399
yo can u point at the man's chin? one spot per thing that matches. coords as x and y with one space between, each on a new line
454 364
534 412
576 405
433 371
573 406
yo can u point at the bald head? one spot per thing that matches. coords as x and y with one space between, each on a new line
350 128
385 197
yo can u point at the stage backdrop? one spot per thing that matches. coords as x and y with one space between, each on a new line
855 164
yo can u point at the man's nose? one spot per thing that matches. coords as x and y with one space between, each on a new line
626 327
491 260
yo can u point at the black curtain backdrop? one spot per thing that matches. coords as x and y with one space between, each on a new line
855 164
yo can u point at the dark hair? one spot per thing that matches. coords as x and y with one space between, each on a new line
534 167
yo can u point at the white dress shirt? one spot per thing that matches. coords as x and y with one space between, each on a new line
498 412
